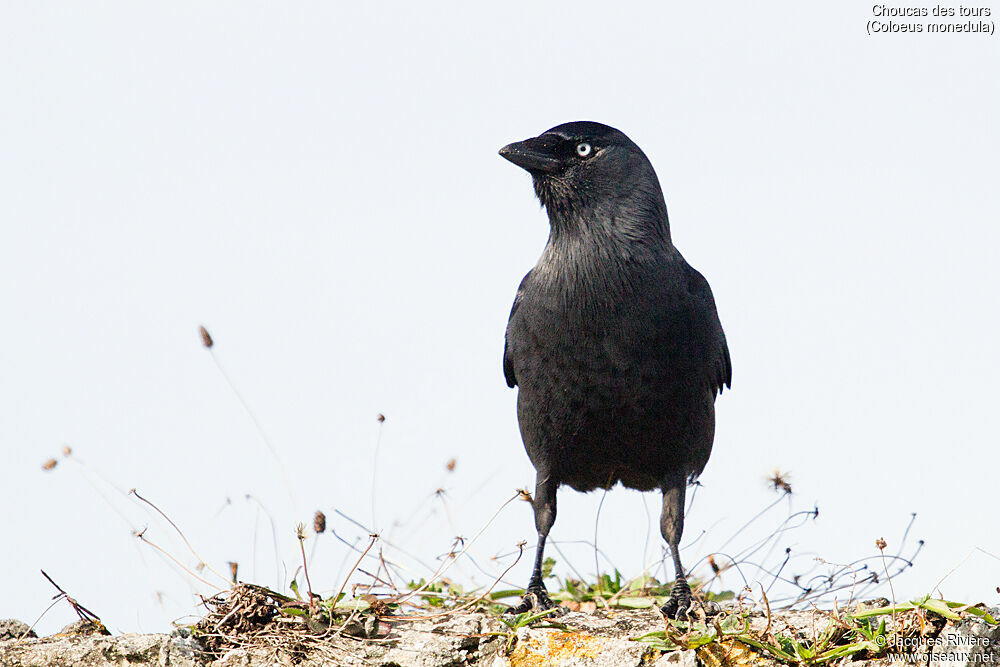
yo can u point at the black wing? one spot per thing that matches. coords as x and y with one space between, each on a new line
717 352
508 363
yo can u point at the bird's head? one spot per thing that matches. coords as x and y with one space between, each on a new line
586 166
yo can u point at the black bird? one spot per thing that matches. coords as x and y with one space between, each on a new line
613 339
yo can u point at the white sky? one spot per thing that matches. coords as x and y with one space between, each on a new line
318 184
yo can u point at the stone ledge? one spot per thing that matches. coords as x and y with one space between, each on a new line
598 639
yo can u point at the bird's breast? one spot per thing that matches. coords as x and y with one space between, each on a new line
605 353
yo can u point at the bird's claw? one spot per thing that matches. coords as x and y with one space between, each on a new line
678 606
535 599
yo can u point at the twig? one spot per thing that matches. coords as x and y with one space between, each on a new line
225 618
81 611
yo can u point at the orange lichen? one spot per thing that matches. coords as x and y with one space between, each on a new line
730 653
555 648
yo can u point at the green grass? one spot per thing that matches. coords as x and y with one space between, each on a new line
847 635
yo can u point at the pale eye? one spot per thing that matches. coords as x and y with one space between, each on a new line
583 150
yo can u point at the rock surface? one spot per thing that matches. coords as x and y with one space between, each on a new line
475 639
11 628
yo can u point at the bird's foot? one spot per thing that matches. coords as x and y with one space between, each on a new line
535 599
678 605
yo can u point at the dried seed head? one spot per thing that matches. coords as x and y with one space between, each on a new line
206 338
300 531
377 607
880 543
712 564
50 464
66 451
779 480
233 569
319 522
450 465
380 417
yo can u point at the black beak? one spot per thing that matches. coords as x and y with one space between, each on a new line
534 155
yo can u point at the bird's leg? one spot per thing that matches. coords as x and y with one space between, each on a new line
535 596
671 526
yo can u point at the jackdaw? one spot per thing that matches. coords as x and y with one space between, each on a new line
613 339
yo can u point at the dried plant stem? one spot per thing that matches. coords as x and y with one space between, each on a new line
382 567
89 472
378 444
257 426
767 606
141 536
880 543
81 611
748 523
962 562
364 553
649 528
312 549
300 533
468 604
274 538
40 617
453 556
597 562
376 579
201 561
386 542
569 563
450 556
399 567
